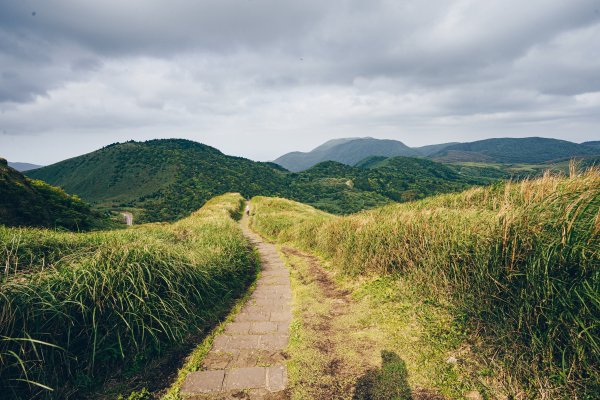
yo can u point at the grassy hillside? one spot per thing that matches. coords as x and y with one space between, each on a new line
162 180
533 150
518 261
28 202
167 178
77 309
346 151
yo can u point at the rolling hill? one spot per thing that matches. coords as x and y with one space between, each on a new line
533 150
27 202
164 180
168 179
346 151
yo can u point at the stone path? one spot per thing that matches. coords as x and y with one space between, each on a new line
247 360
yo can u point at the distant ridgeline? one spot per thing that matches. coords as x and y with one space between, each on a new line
29 202
164 180
533 150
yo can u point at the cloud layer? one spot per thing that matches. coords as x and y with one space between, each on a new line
262 77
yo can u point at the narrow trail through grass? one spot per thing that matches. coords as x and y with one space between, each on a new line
493 290
349 342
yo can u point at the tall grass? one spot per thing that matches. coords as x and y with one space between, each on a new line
76 307
520 262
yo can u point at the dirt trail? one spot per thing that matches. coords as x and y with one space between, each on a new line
247 360
335 357
128 217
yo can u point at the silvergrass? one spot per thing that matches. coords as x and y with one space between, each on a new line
520 262
95 303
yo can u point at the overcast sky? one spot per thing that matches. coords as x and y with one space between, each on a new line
259 78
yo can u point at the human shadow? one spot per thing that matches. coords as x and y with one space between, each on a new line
390 382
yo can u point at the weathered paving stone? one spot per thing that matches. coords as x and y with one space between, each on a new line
263 327
248 358
203 382
276 378
245 378
243 342
284 316
218 360
237 328
247 317
273 342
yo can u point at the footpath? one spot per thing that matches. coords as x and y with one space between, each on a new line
247 359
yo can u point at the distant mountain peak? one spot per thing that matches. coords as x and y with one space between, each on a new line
347 151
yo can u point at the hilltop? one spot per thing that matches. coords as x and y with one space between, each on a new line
168 178
346 151
28 202
162 180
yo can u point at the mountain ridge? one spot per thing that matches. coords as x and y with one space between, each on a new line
164 180
530 150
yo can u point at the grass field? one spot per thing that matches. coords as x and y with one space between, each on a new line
519 264
76 309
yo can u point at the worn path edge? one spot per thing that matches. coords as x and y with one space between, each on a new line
248 359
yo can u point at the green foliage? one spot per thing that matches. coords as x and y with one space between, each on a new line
143 394
519 261
76 308
533 150
27 202
168 179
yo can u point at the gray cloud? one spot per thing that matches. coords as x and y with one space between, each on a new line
260 77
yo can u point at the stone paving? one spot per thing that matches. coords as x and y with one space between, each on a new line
247 359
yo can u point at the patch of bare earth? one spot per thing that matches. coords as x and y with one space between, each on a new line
333 357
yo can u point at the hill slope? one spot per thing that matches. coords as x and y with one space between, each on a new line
163 180
346 151
26 202
168 178
533 150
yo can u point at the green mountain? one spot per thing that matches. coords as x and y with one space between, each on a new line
28 202
346 151
533 150
167 179
162 180
433 148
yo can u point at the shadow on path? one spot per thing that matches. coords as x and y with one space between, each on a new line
389 382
